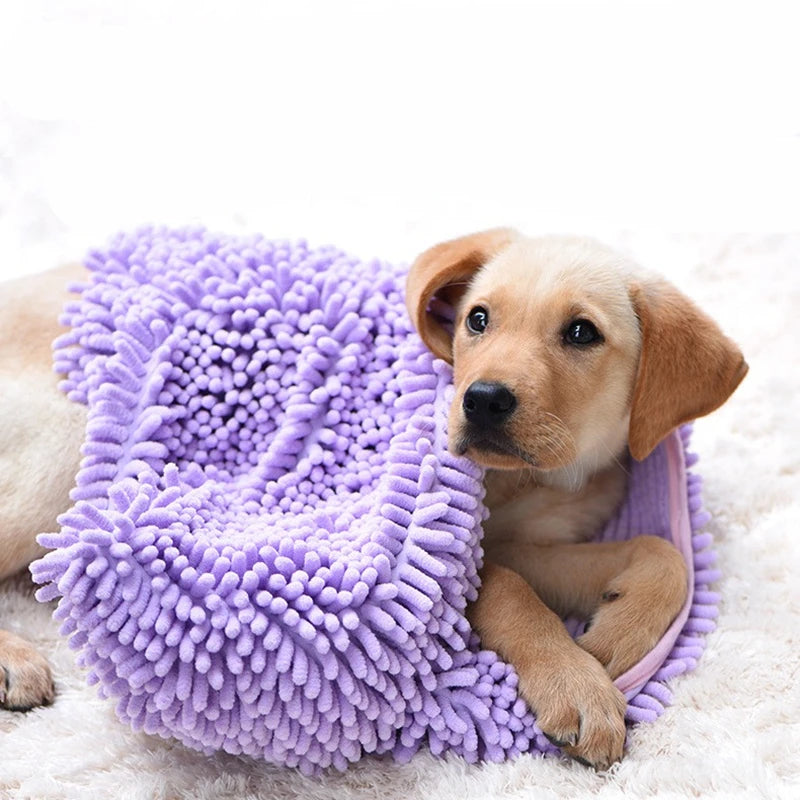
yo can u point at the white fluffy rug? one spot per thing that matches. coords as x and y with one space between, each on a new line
733 730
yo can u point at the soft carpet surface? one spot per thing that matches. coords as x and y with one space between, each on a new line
271 549
733 726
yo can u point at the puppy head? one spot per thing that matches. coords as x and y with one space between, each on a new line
563 351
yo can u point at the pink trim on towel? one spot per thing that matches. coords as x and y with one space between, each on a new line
631 682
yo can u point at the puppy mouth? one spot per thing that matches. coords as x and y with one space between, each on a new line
494 442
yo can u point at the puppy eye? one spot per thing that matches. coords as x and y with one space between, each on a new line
477 320
581 332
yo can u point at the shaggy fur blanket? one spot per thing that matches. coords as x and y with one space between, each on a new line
271 548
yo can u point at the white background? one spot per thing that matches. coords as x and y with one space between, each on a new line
384 127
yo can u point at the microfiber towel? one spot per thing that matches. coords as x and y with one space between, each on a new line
270 549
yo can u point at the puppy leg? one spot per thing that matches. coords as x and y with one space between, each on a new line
576 705
637 605
630 591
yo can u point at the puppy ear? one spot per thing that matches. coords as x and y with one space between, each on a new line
439 277
687 367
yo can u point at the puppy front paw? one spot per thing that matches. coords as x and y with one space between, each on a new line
577 707
637 606
25 677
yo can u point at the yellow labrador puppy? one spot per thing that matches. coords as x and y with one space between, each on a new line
565 355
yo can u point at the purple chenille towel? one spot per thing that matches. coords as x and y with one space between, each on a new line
270 549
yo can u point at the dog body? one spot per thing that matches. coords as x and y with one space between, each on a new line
564 354
40 437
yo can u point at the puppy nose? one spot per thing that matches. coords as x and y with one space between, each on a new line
488 404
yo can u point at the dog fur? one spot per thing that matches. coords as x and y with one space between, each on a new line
555 477
40 442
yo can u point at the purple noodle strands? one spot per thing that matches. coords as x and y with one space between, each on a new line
270 549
